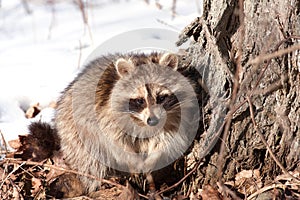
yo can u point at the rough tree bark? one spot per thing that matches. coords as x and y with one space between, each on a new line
232 49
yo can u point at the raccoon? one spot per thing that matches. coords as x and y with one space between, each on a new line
133 112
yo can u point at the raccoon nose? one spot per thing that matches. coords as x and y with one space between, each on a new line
152 121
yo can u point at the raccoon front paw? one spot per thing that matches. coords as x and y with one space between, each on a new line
153 196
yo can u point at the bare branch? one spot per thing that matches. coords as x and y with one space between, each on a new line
264 57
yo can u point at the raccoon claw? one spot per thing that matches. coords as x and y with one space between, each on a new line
152 191
153 196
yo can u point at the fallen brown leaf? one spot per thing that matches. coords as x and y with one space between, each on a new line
210 193
33 111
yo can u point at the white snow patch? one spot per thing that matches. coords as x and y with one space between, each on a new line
39 52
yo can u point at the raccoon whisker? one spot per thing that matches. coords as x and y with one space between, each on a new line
127 111
176 105
186 101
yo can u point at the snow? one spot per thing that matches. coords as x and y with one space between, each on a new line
41 52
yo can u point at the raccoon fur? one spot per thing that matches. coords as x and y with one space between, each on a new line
131 112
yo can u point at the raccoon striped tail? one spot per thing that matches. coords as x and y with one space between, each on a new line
40 144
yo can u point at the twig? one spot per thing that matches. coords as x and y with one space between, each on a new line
12 160
144 196
13 171
80 54
173 8
264 57
250 94
65 170
274 87
84 14
260 76
266 143
16 191
4 142
52 22
82 9
181 180
228 191
266 189
26 7
269 61
236 86
167 24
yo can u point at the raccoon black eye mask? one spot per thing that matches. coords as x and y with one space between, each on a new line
136 105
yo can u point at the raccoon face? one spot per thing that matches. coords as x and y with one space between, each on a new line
150 104
143 91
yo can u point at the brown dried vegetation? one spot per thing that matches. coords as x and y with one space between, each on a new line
248 56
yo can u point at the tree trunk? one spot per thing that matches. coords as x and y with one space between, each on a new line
247 53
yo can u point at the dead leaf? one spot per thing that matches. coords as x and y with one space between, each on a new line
286 177
16 194
128 193
210 193
66 186
36 185
14 143
58 160
248 181
33 111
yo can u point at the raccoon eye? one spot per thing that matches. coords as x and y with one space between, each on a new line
139 101
137 105
170 102
161 98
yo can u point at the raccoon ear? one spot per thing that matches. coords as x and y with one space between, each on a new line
169 60
124 67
